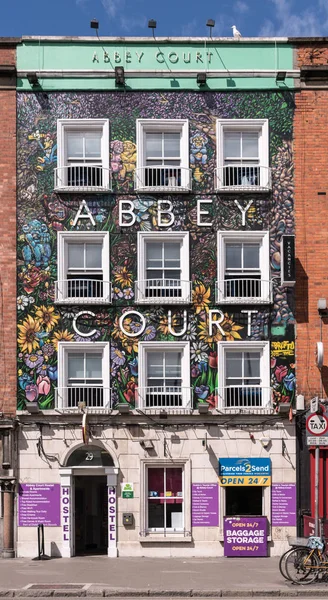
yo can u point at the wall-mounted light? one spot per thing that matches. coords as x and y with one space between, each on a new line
152 24
265 441
210 23
119 76
32 407
32 79
201 78
284 408
322 304
147 444
123 409
94 24
281 75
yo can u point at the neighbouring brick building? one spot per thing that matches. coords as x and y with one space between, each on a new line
311 215
8 379
156 333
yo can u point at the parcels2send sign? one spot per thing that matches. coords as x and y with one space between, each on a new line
245 471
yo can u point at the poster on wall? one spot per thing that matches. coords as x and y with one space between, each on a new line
204 505
39 504
283 505
245 536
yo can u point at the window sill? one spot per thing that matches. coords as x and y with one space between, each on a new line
177 538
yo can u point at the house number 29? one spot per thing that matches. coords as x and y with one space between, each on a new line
88 456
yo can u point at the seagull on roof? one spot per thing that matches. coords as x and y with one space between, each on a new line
236 34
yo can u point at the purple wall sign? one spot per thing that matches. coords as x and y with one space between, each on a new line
283 504
245 536
39 503
204 504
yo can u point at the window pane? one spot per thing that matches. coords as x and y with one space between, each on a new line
154 144
93 144
75 366
252 364
93 256
232 144
174 481
154 254
171 255
234 366
156 480
233 256
250 144
75 256
94 366
251 256
172 144
155 364
74 144
173 364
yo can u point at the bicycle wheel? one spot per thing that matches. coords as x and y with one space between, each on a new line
282 562
302 565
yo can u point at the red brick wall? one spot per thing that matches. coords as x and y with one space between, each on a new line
311 215
8 376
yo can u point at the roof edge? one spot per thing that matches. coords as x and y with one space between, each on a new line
151 40
10 41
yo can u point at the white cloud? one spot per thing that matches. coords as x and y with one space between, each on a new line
190 28
130 23
240 7
112 7
295 23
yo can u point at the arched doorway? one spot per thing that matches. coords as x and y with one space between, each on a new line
88 502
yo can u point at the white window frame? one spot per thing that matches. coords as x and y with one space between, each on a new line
169 535
170 126
247 346
169 236
64 348
65 125
260 237
249 125
184 347
63 239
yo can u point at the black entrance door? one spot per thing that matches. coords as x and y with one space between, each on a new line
91 514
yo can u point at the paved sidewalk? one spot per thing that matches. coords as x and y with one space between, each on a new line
99 575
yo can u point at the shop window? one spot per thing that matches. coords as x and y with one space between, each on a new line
164 380
163 158
83 155
243 155
243 268
244 376
163 268
83 268
83 379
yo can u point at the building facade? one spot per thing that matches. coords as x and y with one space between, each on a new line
156 327
8 343
311 250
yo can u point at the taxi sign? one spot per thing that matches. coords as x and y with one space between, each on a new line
317 424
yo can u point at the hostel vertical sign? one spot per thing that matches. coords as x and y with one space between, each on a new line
65 518
111 520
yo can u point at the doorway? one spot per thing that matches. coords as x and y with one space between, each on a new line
244 500
91 514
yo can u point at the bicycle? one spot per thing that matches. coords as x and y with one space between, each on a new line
304 563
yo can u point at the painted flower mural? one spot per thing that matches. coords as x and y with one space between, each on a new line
43 324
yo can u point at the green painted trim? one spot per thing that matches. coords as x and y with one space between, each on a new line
157 84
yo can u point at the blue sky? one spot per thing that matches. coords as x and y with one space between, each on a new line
174 17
